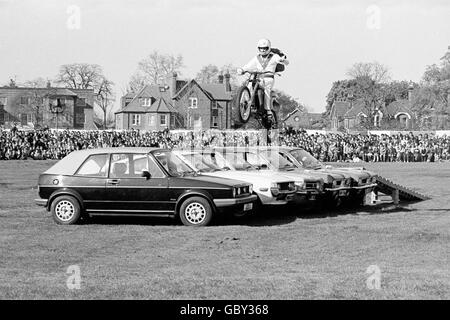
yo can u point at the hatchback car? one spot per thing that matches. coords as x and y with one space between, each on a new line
137 182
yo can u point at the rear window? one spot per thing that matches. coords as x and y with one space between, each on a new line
94 166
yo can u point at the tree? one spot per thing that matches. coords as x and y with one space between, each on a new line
39 94
374 71
80 76
432 97
210 74
105 97
89 76
287 104
155 69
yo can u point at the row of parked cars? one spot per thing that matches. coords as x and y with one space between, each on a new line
194 185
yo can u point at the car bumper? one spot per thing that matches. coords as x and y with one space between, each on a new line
366 186
236 205
41 202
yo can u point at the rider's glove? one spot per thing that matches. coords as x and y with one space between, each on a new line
240 71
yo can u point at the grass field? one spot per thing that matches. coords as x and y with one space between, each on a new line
276 255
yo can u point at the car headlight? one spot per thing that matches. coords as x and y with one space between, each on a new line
275 188
234 192
250 189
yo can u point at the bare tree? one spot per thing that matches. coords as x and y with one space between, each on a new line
155 68
40 92
80 75
104 98
208 74
375 71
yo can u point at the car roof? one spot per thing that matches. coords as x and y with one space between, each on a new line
70 163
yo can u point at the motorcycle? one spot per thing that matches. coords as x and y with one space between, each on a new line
250 101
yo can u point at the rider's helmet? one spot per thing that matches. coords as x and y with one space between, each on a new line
264 47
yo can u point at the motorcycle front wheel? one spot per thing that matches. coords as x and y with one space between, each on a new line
244 107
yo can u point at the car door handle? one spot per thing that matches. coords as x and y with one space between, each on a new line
113 182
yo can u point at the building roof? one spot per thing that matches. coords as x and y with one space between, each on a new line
158 92
217 91
399 106
357 108
339 108
160 105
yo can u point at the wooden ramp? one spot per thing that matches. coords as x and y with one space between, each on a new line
398 192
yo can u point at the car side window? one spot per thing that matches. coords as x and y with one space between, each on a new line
120 166
94 166
153 168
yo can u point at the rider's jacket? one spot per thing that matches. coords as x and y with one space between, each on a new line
269 63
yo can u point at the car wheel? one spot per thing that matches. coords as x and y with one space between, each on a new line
196 211
66 210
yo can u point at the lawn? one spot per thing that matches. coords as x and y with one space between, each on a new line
274 255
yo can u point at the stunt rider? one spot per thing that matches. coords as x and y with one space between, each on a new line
265 60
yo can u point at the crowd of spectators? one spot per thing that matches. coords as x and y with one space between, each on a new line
329 147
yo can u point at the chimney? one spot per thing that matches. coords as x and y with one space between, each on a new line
221 78
173 85
410 91
49 85
227 82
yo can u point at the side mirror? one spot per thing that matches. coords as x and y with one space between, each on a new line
145 174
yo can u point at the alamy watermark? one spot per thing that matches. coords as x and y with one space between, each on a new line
373 282
74 19
74 279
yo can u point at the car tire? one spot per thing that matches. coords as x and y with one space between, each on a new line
196 212
65 210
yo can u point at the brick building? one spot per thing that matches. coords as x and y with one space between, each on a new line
298 119
349 114
178 104
28 107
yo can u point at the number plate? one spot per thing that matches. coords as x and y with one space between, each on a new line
342 193
248 206
312 197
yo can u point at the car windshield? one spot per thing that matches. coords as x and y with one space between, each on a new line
207 162
173 164
305 159
246 160
278 161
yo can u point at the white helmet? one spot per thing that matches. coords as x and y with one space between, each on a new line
264 46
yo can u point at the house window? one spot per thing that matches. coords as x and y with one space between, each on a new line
214 123
29 118
24 100
193 103
6 117
146 102
152 119
214 104
135 119
3 101
163 120
81 101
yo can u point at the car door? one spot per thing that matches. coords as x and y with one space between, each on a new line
90 181
128 192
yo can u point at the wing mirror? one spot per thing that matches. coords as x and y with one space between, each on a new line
145 174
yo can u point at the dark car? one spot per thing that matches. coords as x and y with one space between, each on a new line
137 182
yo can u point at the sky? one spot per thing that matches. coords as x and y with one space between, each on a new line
321 38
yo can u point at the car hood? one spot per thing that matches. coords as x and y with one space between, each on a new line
212 181
293 175
257 178
327 177
355 173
